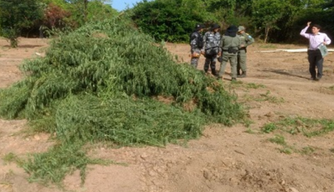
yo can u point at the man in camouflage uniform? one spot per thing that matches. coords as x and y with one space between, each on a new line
211 48
196 44
230 45
246 40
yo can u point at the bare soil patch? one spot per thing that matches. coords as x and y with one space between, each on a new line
224 159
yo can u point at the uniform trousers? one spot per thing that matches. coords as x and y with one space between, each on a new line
232 58
242 57
210 60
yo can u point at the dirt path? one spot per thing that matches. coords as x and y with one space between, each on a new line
225 159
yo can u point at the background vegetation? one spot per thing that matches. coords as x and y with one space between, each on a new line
268 20
171 20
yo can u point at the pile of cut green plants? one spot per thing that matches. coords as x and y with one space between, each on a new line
102 83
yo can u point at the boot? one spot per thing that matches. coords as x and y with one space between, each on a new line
242 75
214 73
213 69
239 70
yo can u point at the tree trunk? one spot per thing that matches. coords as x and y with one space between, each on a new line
267 29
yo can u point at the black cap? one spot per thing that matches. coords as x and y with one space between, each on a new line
215 26
199 26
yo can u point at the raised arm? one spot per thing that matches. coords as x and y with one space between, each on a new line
303 32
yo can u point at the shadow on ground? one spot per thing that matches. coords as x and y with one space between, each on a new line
280 72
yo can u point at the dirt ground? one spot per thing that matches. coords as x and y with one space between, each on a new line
224 159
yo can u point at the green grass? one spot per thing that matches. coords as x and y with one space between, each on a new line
250 131
262 97
254 86
299 125
288 149
59 161
11 158
278 139
247 86
269 127
269 98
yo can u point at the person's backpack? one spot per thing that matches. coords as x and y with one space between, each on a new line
199 39
200 42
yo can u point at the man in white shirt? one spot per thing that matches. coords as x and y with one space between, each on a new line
315 58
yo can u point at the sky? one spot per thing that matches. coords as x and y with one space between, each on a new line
120 5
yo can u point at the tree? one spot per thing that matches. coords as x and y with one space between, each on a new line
16 15
84 10
54 16
170 20
266 13
98 10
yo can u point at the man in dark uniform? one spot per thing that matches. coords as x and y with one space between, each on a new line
196 44
211 48
230 45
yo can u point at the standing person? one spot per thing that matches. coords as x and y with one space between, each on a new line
211 48
246 40
230 45
196 44
315 58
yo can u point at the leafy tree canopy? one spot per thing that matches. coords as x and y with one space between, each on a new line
170 20
17 14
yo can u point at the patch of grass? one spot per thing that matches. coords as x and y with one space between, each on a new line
12 158
308 127
278 139
269 127
248 122
239 84
331 87
269 98
307 150
254 86
55 164
262 97
332 150
286 150
250 131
